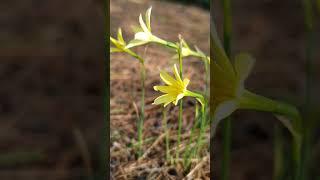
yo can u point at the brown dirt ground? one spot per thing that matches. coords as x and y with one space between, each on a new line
125 83
272 31
50 64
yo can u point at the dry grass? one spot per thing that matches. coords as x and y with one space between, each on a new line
125 92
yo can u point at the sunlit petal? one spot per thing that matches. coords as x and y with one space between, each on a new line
148 18
186 82
143 25
180 96
164 99
167 78
165 89
176 73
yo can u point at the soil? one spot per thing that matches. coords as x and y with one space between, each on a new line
51 76
272 31
126 89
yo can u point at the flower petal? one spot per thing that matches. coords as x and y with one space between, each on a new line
224 109
148 18
135 42
166 89
164 99
243 65
120 37
186 82
142 36
180 96
143 25
219 55
167 78
113 50
176 73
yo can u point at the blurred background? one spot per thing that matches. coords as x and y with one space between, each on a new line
51 95
51 76
273 32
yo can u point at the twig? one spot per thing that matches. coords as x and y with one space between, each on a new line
198 166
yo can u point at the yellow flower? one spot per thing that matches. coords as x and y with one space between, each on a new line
187 51
228 92
120 46
144 34
175 90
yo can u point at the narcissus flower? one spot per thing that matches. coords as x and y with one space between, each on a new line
144 35
228 92
120 46
187 51
175 90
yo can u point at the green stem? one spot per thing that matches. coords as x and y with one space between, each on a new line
187 152
202 129
278 154
199 143
181 101
226 147
307 125
292 121
165 43
141 118
165 126
249 100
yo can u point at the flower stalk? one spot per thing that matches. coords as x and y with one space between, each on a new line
120 46
307 126
179 50
141 118
226 126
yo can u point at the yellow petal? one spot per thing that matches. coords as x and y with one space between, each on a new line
167 78
120 37
164 99
166 104
176 73
186 82
166 89
180 96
